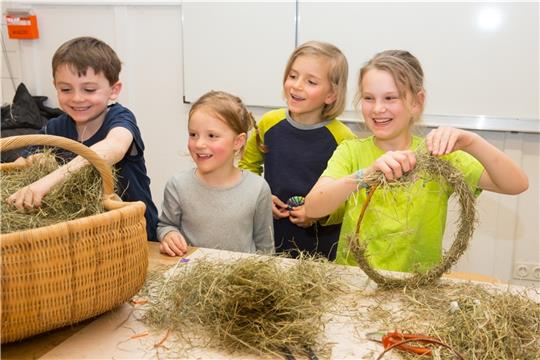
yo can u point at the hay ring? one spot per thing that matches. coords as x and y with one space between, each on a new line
438 170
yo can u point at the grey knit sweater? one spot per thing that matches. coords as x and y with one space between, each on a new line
238 218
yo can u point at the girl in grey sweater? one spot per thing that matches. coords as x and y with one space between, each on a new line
217 205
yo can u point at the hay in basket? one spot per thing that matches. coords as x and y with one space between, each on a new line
64 273
78 196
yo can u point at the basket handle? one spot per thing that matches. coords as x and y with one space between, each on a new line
16 142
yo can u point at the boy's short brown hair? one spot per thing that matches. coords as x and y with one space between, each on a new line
87 52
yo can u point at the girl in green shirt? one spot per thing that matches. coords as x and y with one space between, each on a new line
403 233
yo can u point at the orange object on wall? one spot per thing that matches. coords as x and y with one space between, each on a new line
22 26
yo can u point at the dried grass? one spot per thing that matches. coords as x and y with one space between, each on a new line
254 304
79 196
434 169
478 322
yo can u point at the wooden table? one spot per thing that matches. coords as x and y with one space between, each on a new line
36 347
109 335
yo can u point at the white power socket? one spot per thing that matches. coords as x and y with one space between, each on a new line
527 271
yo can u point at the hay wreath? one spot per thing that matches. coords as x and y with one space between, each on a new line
79 196
257 304
434 169
481 322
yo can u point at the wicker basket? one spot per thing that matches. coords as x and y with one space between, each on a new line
65 273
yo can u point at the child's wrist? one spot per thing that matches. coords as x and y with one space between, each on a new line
359 177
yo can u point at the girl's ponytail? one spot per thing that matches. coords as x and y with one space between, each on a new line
260 145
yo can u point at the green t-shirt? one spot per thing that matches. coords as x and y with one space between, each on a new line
404 228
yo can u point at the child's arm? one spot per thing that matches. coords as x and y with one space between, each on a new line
252 158
263 224
501 174
111 149
27 161
173 244
170 221
328 193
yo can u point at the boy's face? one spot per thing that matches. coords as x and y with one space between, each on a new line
85 98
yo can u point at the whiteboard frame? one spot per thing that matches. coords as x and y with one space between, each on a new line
480 123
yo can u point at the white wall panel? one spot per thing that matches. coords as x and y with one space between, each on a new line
11 66
507 232
238 47
7 91
526 242
153 76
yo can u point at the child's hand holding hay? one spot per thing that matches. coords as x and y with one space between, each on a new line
78 196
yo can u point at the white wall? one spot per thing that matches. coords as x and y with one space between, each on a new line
148 39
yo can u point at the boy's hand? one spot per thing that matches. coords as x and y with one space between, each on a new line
173 244
29 197
298 217
279 208
394 164
23 162
445 140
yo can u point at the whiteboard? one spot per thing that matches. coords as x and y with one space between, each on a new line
479 58
237 47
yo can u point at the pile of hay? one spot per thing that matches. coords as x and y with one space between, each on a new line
433 169
79 196
477 322
253 304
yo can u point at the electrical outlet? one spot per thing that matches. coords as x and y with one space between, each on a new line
527 271
536 273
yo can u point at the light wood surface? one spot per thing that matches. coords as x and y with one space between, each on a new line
473 277
111 335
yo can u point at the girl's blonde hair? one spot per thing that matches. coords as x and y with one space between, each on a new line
405 70
339 71
228 108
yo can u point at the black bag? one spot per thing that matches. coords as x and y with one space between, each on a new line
26 115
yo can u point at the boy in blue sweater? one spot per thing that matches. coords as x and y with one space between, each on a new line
86 77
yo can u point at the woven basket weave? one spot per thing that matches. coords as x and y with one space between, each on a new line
62 274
